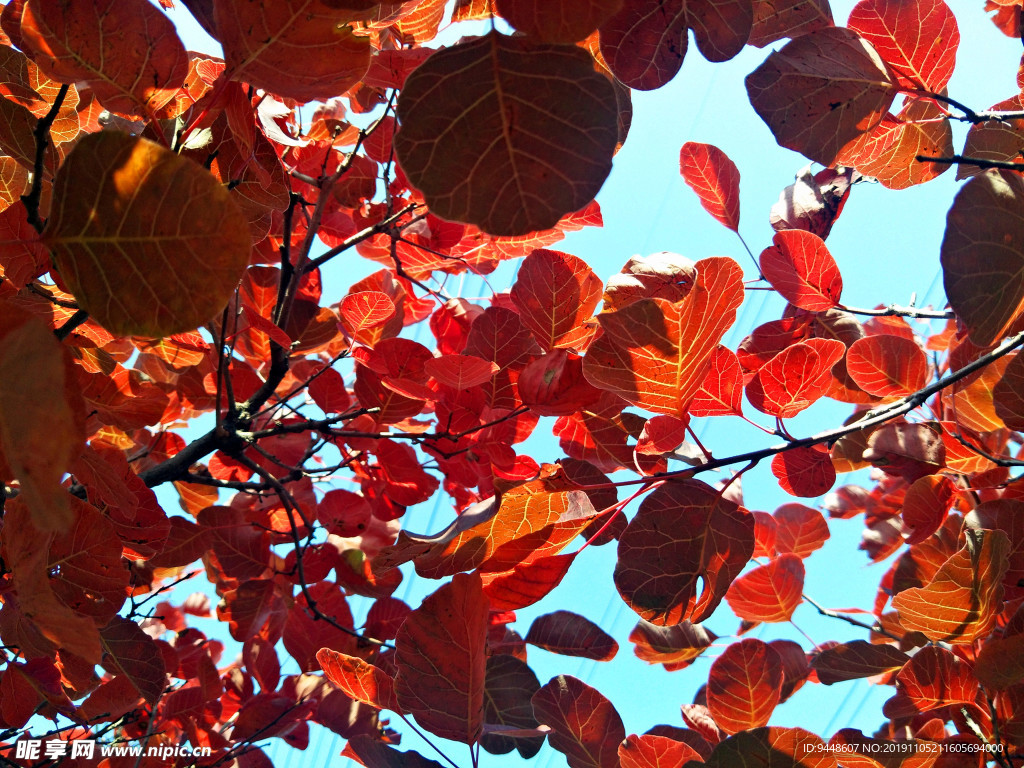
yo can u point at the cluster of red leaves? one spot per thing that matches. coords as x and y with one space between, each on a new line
148 192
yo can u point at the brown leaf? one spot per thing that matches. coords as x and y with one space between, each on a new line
586 727
570 634
471 115
148 242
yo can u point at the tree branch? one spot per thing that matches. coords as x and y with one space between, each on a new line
979 162
42 136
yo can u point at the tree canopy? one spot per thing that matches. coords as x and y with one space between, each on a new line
172 227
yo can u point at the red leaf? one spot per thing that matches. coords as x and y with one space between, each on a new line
644 43
654 353
570 634
441 660
795 378
716 180
460 371
720 27
769 593
649 751
833 80
359 680
856 659
933 678
721 392
365 309
557 22
887 365
744 685
926 505
1008 394
662 434
918 42
556 294
131 652
799 530
344 513
814 201
961 602
585 726
805 472
527 582
683 533
800 267
676 646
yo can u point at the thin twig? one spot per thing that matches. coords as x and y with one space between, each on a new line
42 136
979 162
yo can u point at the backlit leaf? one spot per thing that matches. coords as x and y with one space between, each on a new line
663 275
676 647
799 530
744 685
365 309
570 634
41 428
805 472
556 293
650 751
918 40
933 678
887 365
261 39
526 583
820 91
684 533
535 519
769 593
127 51
460 371
654 353
814 201
856 659
795 378
960 604
585 726
557 21
358 679
149 242
715 178
507 134
441 660
1008 394
721 393
983 254
131 652
800 267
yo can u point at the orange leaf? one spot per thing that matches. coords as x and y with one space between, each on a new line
744 685
918 42
533 520
925 506
526 583
800 267
127 51
440 653
795 378
557 21
649 751
721 392
260 43
961 602
556 294
359 680
655 353
683 533
716 180
1008 394
469 118
887 365
586 728
769 593
933 678
983 256
799 530
148 242
821 91
41 419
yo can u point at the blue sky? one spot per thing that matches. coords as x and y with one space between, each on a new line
887 246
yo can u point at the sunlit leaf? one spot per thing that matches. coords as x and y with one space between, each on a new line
744 685
127 51
795 378
721 393
507 134
676 646
800 267
650 751
684 533
358 679
769 593
925 506
556 293
654 353
714 177
887 365
960 604
147 241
